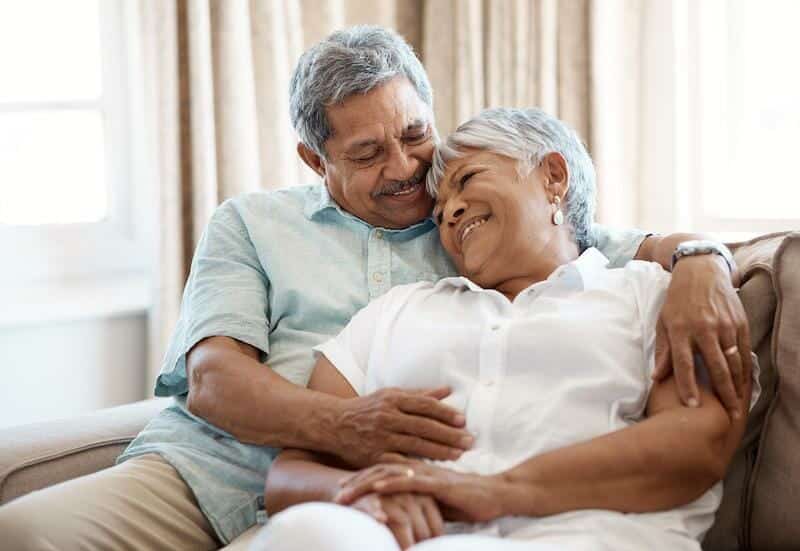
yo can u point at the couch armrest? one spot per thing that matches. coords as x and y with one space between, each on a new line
39 455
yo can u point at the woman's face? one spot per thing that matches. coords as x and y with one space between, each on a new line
493 222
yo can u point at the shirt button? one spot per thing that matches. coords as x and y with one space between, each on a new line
495 326
488 382
377 277
378 234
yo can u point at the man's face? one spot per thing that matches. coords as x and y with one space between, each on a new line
379 154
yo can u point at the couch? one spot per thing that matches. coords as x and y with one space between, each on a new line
761 507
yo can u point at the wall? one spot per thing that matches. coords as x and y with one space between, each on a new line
58 369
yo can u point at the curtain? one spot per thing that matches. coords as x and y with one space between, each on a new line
576 59
216 93
515 53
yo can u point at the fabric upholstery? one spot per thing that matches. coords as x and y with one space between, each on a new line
773 511
42 454
757 482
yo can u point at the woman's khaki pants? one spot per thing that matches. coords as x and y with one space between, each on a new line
142 503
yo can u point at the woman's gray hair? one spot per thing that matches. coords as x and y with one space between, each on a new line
350 61
527 135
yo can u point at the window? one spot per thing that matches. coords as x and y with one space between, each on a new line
51 119
71 206
746 89
724 109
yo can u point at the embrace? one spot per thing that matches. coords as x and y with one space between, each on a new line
550 356
438 348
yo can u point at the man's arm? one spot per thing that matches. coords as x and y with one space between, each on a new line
702 313
230 388
659 249
298 476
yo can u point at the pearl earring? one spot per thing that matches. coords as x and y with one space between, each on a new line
558 216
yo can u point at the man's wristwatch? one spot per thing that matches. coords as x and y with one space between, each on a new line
698 247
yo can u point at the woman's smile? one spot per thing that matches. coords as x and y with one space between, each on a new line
470 227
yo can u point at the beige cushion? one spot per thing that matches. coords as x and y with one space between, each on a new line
765 262
42 454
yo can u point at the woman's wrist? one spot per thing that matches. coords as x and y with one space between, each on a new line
516 497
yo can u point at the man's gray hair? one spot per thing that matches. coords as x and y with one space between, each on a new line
350 61
527 135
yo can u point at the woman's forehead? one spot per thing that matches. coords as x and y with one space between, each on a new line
463 157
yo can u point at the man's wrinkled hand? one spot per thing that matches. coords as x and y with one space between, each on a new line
392 423
411 518
702 314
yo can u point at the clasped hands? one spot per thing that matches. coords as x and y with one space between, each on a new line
413 498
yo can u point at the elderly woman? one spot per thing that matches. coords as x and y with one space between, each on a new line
548 354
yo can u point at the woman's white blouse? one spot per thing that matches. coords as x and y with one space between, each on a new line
568 360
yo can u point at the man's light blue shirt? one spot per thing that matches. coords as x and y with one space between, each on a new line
283 271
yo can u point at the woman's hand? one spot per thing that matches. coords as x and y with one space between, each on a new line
463 497
412 518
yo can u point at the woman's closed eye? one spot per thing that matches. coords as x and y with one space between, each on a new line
465 179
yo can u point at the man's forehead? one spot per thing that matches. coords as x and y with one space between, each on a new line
376 132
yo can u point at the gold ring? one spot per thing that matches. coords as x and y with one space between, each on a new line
410 473
731 351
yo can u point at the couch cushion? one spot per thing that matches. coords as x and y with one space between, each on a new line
38 455
742 517
774 506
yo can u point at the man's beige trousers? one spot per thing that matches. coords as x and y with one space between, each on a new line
141 504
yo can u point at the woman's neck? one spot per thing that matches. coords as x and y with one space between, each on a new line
538 269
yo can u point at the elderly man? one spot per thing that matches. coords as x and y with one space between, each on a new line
276 274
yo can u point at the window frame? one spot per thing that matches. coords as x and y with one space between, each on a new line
114 255
120 242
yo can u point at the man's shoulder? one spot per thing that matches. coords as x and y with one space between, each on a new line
261 208
294 198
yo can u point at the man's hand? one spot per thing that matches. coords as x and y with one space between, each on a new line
391 423
411 518
703 314
463 497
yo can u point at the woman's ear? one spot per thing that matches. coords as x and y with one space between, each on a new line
556 174
311 159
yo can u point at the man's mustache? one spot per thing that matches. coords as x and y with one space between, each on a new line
394 186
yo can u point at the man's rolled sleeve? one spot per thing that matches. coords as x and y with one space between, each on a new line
618 245
226 295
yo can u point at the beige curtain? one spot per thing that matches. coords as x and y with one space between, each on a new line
514 53
216 101
577 59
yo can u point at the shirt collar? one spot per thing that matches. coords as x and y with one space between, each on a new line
579 274
321 201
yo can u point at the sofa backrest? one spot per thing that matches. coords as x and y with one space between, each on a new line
761 504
